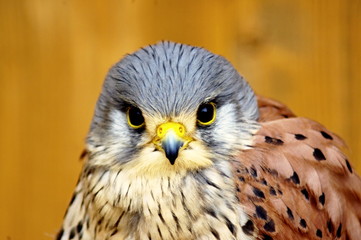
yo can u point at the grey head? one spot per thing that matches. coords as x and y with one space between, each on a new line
168 82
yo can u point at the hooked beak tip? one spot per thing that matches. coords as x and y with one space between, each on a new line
171 147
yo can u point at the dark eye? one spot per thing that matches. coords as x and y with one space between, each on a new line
206 113
135 117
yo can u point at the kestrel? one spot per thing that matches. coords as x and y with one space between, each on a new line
180 147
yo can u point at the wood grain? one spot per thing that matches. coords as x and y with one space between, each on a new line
55 54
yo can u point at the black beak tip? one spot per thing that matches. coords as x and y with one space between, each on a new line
171 151
171 154
172 159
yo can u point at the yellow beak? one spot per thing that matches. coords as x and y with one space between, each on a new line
171 137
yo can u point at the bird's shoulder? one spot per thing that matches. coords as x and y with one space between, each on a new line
295 181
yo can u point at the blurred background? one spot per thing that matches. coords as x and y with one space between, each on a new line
54 55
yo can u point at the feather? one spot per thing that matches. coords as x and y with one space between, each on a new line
310 190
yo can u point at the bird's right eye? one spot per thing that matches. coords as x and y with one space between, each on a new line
135 117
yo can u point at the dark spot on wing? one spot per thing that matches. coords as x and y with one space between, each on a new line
319 233
300 137
261 212
264 182
317 153
303 223
248 228
269 226
272 191
258 192
253 172
305 193
321 199
326 135
267 237
348 165
294 178
330 226
274 141
289 213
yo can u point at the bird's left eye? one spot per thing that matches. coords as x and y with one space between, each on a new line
206 114
135 117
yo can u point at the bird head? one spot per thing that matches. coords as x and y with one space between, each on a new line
168 108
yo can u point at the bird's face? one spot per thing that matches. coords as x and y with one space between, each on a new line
170 108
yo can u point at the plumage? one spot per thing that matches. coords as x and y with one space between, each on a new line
323 201
181 148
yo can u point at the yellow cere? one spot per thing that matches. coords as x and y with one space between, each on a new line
177 128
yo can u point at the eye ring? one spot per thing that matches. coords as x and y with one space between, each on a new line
135 117
206 114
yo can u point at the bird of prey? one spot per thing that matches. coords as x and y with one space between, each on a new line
180 147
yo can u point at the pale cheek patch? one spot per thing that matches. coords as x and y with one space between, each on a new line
237 135
107 149
226 128
119 125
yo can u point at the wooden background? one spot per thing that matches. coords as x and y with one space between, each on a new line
54 55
